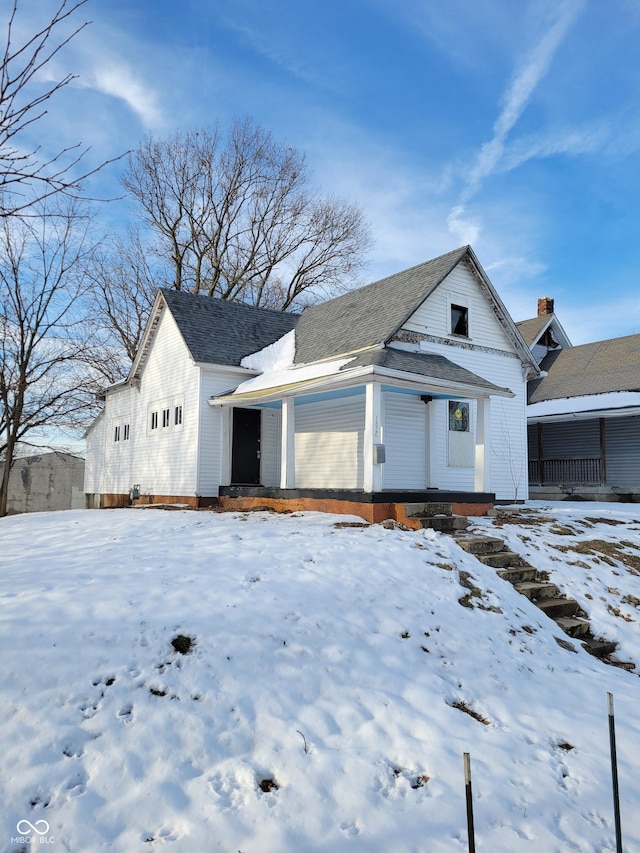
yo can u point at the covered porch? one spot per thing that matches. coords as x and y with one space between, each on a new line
363 445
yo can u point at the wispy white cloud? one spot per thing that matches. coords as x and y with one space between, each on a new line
534 67
559 141
119 80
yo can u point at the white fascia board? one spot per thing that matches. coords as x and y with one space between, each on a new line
427 383
418 383
612 405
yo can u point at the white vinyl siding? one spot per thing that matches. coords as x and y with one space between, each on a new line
509 469
460 287
162 461
405 440
328 443
270 447
210 445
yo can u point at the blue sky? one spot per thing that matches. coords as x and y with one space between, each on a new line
513 125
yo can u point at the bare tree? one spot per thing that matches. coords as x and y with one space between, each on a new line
235 217
122 282
26 173
44 381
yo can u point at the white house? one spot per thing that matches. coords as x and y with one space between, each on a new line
410 389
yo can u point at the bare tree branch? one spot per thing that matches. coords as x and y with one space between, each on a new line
44 380
26 176
235 217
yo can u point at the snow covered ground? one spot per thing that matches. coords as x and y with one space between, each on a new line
334 683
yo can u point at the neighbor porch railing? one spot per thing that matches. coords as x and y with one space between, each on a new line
562 471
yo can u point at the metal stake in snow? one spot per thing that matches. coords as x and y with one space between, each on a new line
467 787
614 773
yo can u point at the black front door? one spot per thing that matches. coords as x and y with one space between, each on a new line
245 448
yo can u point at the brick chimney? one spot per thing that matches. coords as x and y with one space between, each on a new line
545 306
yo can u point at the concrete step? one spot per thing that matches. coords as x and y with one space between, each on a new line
429 509
599 648
537 590
502 559
518 574
444 523
557 607
574 626
480 544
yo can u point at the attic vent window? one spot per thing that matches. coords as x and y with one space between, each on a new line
460 320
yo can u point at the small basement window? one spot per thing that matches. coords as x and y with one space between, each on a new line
460 320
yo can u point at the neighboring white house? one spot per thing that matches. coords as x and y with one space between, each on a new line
411 388
583 414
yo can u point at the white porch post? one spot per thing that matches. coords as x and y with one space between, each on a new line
287 445
483 447
372 435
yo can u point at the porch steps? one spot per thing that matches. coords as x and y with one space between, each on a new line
536 586
437 516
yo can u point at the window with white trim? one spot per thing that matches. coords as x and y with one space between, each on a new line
125 432
116 432
177 415
154 420
166 419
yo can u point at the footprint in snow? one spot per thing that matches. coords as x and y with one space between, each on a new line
349 829
126 713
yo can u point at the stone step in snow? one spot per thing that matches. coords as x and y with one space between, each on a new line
599 648
574 626
480 544
444 523
559 607
537 590
502 559
518 574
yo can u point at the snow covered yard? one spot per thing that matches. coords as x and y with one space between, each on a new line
334 683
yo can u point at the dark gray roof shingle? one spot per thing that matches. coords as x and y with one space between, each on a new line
422 364
223 332
596 368
368 315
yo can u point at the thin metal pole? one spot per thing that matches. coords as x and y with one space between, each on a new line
614 773
467 787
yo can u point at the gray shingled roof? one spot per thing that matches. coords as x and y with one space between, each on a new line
597 368
532 329
222 332
371 314
422 364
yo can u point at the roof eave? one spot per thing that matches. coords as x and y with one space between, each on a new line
348 378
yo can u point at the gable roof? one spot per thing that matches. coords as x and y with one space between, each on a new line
596 368
223 332
371 315
532 329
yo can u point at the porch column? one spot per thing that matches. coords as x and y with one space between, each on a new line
483 447
287 445
372 435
